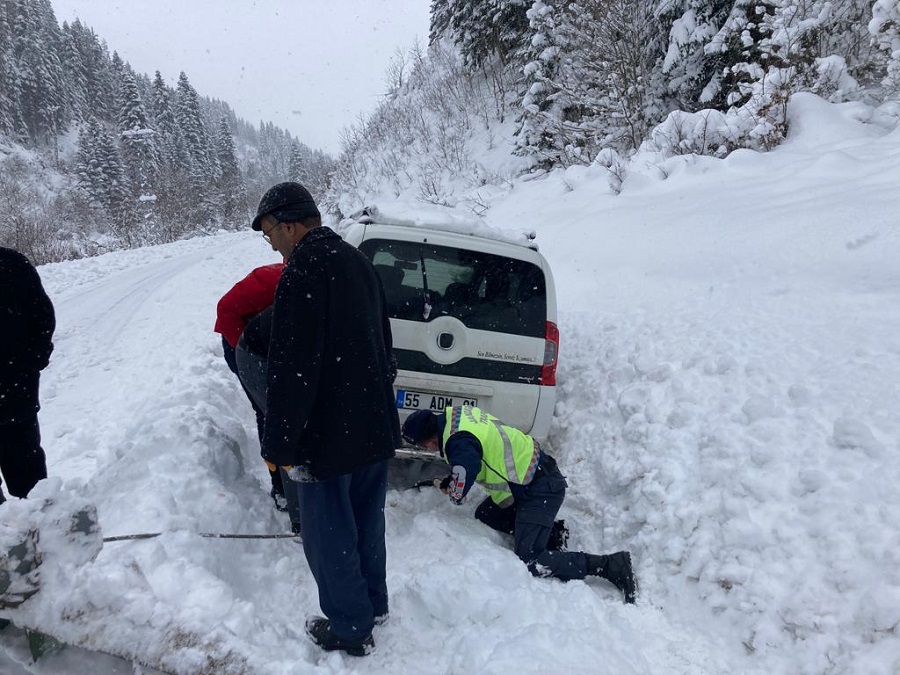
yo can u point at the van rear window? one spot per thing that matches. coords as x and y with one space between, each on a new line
484 291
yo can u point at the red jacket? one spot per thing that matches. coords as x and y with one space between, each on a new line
246 299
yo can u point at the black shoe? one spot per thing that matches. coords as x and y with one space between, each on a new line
559 537
616 569
319 629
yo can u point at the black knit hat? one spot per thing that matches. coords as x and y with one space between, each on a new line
419 426
288 202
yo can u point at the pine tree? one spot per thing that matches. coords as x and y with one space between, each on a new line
36 49
191 129
88 67
298 163
591 79
720 51
9 95
482 29
232 194
543 105
74 70
139 155
695 75
90 178
885 29
774 48
440 20
163 112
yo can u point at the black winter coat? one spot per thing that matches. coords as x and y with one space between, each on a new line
330 400
27 322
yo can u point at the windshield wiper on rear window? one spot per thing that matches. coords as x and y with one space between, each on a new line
426 310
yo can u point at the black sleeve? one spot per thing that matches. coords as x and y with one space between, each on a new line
28 332
296 353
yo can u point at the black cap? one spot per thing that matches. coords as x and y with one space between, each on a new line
288 202
419 426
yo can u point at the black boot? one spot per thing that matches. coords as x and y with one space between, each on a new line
319 629
615 568
559 536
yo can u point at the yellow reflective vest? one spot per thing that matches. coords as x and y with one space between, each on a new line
508 455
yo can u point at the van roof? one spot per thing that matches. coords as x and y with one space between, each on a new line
443 219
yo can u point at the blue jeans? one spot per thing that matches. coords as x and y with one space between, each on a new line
343 538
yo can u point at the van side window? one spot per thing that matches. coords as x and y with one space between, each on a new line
484 291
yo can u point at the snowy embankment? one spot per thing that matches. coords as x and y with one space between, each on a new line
732 386
728 388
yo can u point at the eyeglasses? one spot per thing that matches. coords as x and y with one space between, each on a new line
267 234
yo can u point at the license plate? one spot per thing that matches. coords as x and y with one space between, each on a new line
408 399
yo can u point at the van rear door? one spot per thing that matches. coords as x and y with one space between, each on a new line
469 325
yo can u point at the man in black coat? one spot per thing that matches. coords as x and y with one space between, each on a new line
27 322
331 416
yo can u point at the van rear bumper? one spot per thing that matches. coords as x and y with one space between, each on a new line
409 452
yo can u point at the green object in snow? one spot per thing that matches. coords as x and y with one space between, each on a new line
41 643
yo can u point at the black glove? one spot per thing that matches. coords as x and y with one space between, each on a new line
445 484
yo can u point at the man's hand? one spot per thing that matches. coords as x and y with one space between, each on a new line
451 486
298 474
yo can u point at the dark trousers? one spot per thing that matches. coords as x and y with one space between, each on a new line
343 538
530 521
251 371
22 460
232 366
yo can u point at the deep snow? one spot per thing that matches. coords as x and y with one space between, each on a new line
728 397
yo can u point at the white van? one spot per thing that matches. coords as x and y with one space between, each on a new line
473 315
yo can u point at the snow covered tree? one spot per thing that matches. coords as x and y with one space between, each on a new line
101 176
233 196
10 119
746 58
299 163
694 75
482 29
74 70
202 166
139 154
885 29
87 167
440 18
309 167
36 46
163 112
591 79
274 151
89 72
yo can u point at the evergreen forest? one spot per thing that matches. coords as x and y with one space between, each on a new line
95 156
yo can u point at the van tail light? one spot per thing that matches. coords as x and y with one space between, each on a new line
551 351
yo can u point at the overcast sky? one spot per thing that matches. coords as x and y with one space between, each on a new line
310 67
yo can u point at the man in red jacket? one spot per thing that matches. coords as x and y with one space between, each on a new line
246 300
